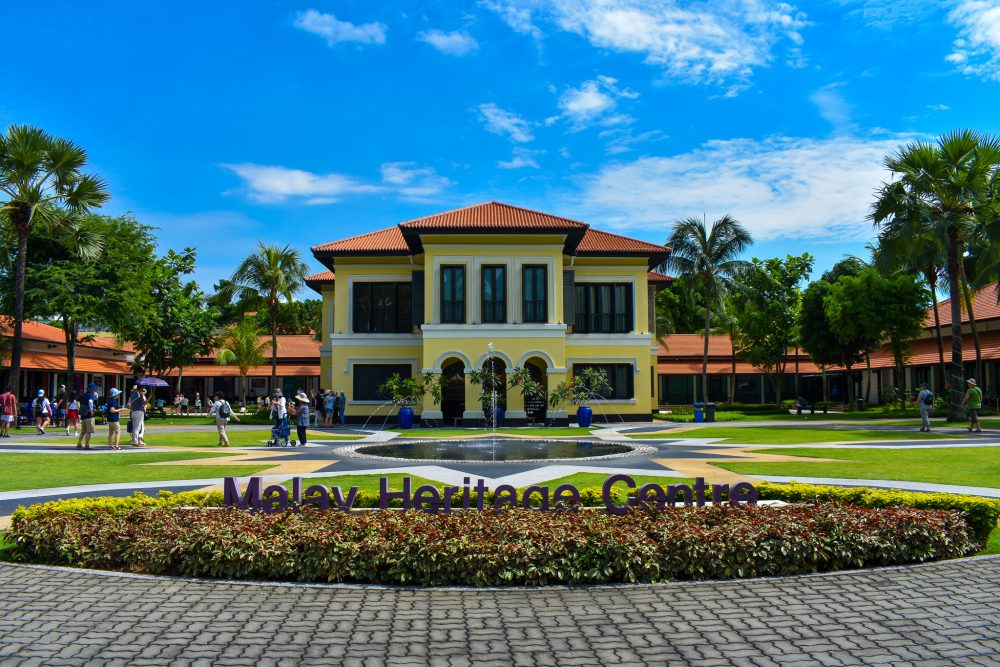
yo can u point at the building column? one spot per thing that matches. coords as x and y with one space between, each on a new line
553 378
473 408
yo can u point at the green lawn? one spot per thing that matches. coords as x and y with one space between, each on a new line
208 437
783 435
42 471
970 466
583 480
555 432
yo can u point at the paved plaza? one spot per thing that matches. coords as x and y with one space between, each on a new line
937 614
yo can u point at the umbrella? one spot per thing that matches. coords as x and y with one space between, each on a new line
151 382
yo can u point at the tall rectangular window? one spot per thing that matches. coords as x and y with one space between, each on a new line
453 294
603 308
382 308
494 293
620 376
534 288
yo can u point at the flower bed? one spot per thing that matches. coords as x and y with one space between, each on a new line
514 547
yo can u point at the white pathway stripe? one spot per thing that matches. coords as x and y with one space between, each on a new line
556 471
887 483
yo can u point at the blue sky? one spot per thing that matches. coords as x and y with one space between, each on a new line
304 122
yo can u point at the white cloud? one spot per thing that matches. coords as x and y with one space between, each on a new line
335 31
782 187
889 14
522 158
716 42
270 184
622 139
593 103
516 14
938 107
832 105
503 122
412 181
452 43
976 52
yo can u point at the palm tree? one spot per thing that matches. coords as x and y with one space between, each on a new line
709 258
241 345
269 275
42 188
946 184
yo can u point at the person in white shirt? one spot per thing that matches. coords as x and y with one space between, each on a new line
279 408
40 409
223 413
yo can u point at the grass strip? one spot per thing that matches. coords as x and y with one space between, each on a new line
781 435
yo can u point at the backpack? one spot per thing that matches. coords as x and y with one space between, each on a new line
225 411
86 407
929 400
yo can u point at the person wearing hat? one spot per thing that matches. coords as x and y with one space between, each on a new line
302 415
113 415
88 408
40 409
973 403
279 408
925 403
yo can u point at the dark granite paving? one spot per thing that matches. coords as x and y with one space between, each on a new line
937 614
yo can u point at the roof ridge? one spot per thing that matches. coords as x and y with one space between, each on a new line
497 203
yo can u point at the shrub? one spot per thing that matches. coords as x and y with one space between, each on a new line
982 514
514 547
688 417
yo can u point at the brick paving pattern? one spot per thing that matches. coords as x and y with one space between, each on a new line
937 614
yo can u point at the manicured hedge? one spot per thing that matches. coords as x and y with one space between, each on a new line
513 547
982 514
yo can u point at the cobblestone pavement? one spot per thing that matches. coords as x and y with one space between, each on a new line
936 614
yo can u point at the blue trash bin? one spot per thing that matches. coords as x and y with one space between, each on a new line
699 412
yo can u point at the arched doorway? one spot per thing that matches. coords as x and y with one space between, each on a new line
535 406
453 392
494 383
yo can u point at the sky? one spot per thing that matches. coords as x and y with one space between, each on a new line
308 121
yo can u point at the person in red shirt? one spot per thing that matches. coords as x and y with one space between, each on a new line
8 412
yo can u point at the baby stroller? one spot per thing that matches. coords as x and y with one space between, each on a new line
281 435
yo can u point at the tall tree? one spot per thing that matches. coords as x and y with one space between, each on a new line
42 186
946 184
815 333
270 275
709 261
768 311
241 345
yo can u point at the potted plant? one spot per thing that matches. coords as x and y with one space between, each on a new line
407 392
580 391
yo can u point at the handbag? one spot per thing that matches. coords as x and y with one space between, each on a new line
129 427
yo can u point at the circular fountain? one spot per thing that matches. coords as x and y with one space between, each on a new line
494 450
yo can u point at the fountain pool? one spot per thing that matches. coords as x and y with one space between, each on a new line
497 450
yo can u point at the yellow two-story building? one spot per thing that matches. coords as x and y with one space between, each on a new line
490 284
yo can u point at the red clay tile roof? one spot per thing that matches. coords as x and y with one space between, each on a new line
384 241
290 346
654 277
984 307
321 277
492 215
602 243
50 334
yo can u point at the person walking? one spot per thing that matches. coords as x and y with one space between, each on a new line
973 403
112 415
279 408
8 411
197 403
223 412
925 403
341 407
40 410
73 415
62 405
137 416
88 404
302 416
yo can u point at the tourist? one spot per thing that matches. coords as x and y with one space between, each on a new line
329 406
279 408
112 413
925 403
40 410
185 404
137 416
8 411
316 401
302 415
342 405
197 402
88 404
62 403
972 403
223 412
73 414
